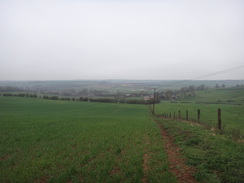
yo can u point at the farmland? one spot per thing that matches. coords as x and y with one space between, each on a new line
232 115
75 141
58 141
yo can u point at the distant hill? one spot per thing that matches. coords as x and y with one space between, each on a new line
131 84
233 95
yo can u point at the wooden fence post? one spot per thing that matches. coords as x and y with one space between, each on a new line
219 119
170 115
174 115
186 115
198 115
179 114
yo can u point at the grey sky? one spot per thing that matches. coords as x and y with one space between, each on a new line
72 39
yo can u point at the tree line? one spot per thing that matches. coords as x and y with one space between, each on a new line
19 95
184 92
83 99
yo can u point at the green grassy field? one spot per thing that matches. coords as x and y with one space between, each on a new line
217 159
64 141
232 115
225 95
58 141
229 100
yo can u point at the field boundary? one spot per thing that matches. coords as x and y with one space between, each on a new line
217 126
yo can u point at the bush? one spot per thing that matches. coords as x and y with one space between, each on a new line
33 95
45 97
54 98
7 94
65 98
21 95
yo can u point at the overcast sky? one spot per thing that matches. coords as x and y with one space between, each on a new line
121 39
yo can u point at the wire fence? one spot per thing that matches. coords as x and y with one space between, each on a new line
232 126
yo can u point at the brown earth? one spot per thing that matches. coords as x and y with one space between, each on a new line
182 172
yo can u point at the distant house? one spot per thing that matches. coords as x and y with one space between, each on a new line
146 98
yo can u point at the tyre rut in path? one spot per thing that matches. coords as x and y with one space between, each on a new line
182 172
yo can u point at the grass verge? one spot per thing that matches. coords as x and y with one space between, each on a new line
216 158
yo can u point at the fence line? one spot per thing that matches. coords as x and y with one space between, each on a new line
236 132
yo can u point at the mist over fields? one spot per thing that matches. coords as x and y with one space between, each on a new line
136 40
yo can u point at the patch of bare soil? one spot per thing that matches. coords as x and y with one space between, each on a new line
115 170
5 158
41 180
183 172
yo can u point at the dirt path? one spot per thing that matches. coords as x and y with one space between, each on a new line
183 172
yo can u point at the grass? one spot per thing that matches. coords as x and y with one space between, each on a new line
216 158
225 95
59 141
232 115
65 141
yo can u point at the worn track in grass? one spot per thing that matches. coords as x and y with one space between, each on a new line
183 172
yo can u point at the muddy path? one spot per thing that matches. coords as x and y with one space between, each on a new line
177 164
